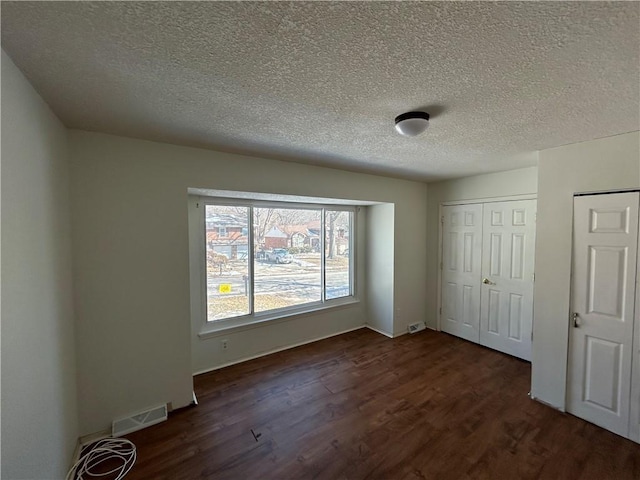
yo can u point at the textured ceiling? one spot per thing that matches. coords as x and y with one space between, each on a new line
321 82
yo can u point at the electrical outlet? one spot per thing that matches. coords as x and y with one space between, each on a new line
224 344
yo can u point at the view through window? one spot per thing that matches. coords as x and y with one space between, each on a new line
300 256
338 273
227 251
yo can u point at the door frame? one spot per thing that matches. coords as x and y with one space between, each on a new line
528 196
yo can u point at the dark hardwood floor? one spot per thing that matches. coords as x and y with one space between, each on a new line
360 405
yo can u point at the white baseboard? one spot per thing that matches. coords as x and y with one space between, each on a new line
381 332
275 350
76 453
85 440
94 437
551 405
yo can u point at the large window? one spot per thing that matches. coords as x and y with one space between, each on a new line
265 258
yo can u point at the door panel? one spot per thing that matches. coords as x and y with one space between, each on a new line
602 304
515 316
507 265
606 276
602 373
461 253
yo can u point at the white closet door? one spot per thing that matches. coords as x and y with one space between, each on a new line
602 304
507 269
461 252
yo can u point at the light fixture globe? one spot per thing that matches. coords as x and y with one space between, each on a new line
411 124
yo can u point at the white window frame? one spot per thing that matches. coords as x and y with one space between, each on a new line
211 328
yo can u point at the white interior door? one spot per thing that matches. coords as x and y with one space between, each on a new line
602 307
507 277
461 254
634 411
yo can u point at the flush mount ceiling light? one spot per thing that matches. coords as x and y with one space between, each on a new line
411 124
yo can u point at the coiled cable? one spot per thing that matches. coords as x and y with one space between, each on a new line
109 456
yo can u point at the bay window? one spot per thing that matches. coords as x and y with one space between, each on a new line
264 260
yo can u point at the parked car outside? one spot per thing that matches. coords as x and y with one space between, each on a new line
279 255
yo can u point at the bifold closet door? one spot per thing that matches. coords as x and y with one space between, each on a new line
461 263
506 312
602 309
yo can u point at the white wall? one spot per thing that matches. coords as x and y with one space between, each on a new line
513 182
39 417
130 232
380 269
605 164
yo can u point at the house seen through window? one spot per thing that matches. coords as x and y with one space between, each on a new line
264 258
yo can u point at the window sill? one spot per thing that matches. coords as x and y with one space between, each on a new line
270 318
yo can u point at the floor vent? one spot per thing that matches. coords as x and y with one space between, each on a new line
416 327
139 421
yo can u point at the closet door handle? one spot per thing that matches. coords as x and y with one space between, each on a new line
486 281
576 320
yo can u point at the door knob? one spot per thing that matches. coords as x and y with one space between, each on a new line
576 320
486 281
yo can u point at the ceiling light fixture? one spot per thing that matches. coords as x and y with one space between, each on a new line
411 124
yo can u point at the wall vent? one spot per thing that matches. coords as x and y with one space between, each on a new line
416 327
139 421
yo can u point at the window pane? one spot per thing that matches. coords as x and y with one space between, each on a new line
337 273
227 264
287 257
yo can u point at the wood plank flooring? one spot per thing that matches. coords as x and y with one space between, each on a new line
363 406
